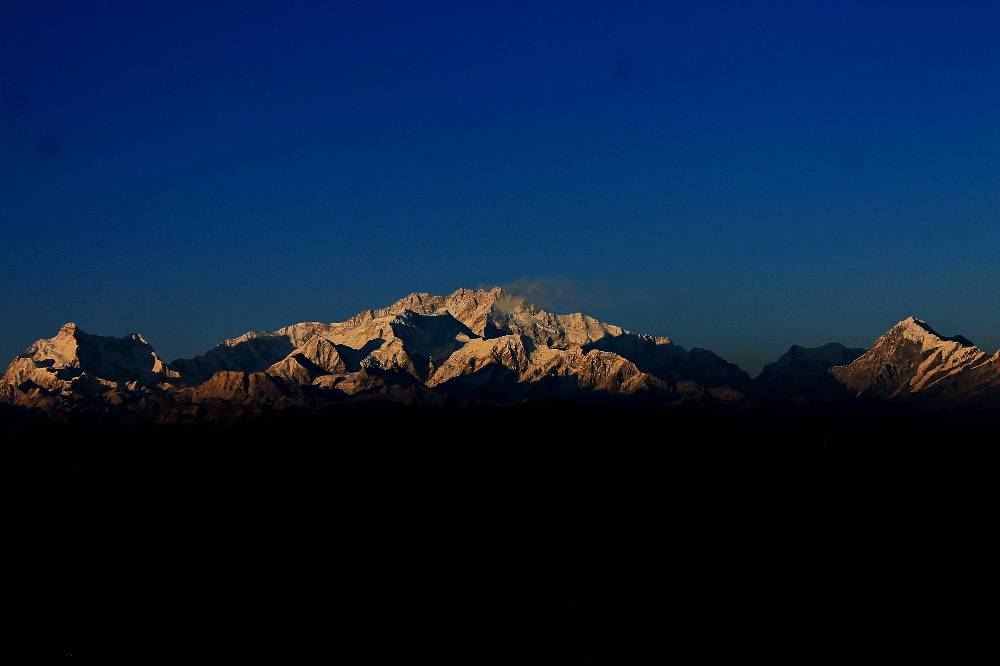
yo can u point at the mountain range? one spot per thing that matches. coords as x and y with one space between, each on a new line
484 346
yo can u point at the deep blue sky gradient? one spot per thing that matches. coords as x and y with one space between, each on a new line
739 176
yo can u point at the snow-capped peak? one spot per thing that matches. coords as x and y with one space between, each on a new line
910 357
920 331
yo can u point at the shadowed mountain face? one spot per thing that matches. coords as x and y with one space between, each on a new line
475 346
802 374
247 354
660 357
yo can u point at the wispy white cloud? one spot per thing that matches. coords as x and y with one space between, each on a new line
556 294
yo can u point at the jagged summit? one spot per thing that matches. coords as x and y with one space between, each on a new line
118 359
919 330
74 362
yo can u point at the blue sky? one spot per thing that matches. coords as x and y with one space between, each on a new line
738 176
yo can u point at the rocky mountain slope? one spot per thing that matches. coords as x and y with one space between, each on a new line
910 358
482 346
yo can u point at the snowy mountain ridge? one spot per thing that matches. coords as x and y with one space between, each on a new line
476 346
